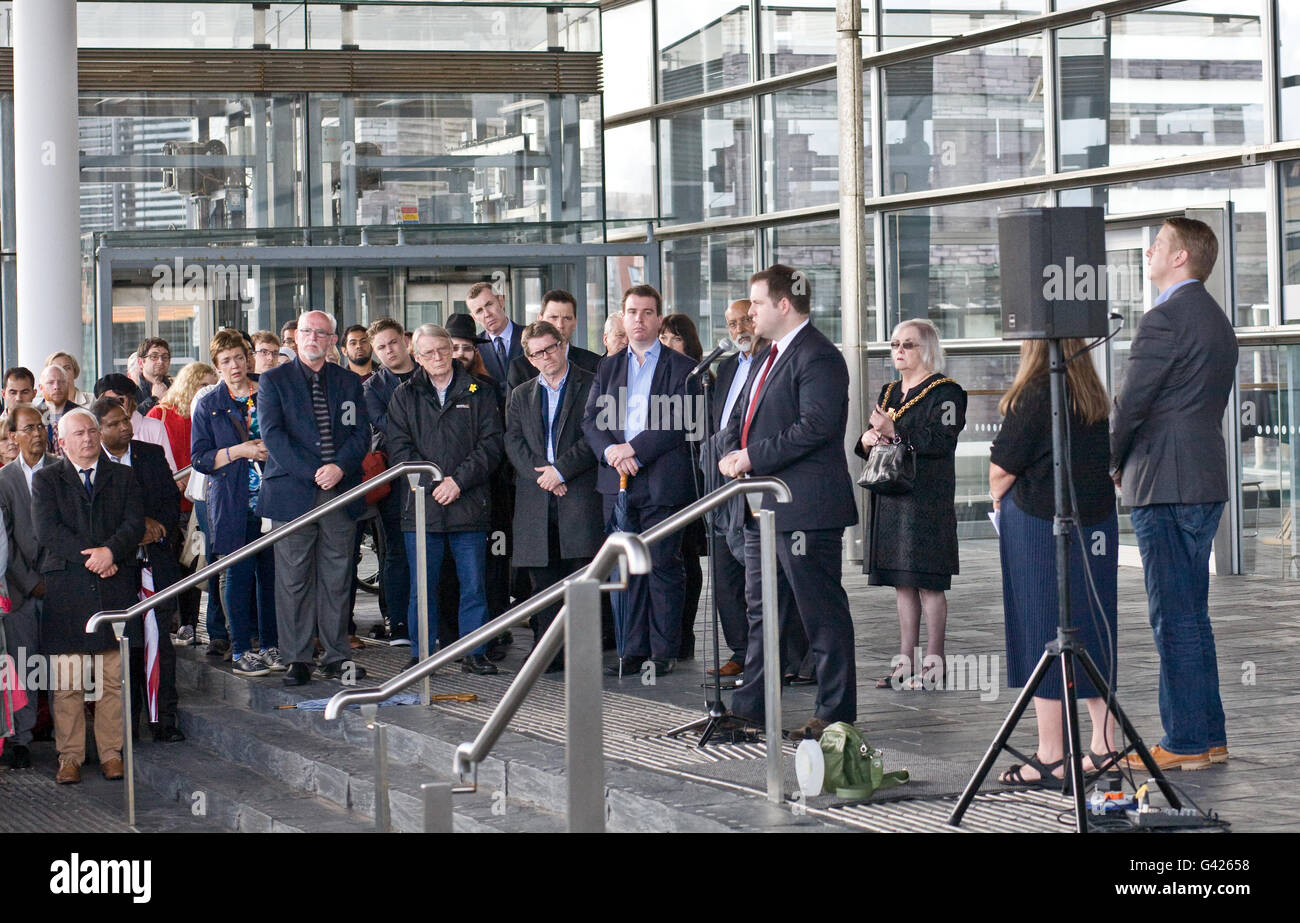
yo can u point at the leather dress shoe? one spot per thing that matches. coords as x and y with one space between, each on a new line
730 668
478 665
497 650
167 734
629 666
112 769
298 674
69 773
810 731
340 669
664 667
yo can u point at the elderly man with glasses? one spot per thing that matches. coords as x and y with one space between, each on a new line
316 430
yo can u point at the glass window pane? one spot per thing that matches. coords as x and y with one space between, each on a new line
459 158
910 21
799 35
1291 241
188 25
970 117
702 275
706 163
943 265
628 73
1288 67
629 172
801 148
201 161
455 27
1161 83
703 45
815 249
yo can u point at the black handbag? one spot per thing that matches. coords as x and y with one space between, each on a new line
891 466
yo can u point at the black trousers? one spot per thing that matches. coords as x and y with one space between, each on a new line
809 573
653 626
556 569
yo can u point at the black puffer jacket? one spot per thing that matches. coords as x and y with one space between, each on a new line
463 437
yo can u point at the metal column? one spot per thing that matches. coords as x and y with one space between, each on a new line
584 752
771 654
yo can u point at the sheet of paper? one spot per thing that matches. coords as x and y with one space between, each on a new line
995 517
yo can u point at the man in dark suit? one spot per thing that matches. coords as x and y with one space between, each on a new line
162 511
792 427
315 426
1168 457
88 515
558 523
560 310
487 307
26 432
633 428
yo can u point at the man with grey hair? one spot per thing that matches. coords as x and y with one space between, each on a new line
88 515
443 415
614 337
314 423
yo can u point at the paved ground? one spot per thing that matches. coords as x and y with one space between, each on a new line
1257 622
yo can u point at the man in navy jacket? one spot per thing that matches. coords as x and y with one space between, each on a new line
789 423
315 426
636 422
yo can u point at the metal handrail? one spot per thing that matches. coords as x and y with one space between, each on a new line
469 755
479 636
520 613
259 544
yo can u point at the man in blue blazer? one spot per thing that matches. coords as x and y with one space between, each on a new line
636 422
313 420
791 426
503 344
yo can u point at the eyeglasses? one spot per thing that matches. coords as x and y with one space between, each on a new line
267 353
441 353
31 428
545 352
159 357
905 344
310 333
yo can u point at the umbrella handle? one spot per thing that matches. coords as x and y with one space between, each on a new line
622 481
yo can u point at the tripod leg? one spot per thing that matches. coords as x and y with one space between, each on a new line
1129 731
1072 729
999 742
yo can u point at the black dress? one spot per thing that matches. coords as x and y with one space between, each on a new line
911 539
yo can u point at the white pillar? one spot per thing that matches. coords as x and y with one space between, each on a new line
46 179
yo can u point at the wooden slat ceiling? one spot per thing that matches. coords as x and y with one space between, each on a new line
113 69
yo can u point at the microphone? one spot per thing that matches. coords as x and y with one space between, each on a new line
724 346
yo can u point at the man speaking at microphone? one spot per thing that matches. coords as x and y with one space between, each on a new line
795 412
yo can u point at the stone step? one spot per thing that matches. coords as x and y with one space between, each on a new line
524 773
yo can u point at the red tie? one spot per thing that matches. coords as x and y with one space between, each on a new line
753 401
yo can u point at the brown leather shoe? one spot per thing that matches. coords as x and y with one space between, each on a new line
810 731
730 668
69 773
112 769
1219 754
1167 761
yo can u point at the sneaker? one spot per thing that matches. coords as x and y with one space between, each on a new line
184 637
271 657
249 664
218 648
399 638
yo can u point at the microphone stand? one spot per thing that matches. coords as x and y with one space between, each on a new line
716 710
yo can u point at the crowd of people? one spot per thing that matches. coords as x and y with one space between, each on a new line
536 470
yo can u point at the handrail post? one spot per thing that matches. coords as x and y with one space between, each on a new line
422 584
436 797
383 814
584 744
771 653
128 720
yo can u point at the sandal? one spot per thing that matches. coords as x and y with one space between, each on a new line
1103 763
897 679
1046 777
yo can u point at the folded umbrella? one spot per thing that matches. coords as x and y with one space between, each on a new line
619 603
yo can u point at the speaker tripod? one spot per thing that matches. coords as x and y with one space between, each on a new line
1066 649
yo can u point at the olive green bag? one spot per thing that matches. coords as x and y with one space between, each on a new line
853 769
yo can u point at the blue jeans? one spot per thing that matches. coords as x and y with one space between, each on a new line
396 573
470 551
216 616
237 594
1175 541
